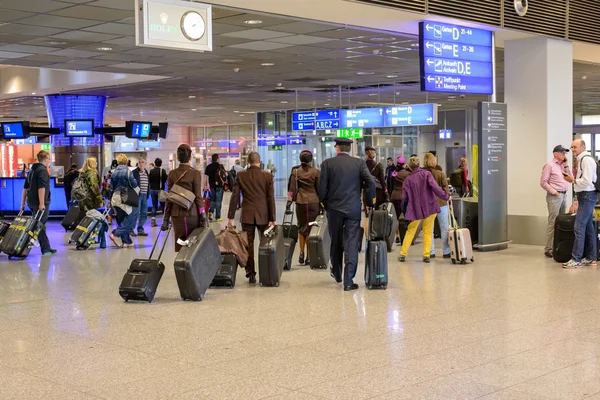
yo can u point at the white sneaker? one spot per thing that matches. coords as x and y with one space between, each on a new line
572 264
587 262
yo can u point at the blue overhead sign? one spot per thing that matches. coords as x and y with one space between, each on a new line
319 120
456 59
409 115
363 118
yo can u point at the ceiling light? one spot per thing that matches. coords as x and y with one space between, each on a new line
284 102
414 44
33 93
194 109
439 105
253 85
192 97
451 97
383 39
372 94
253 22
231 60
267 64
365 73
236 112
392 76
104 48
326 104
584 77
405 103
55 42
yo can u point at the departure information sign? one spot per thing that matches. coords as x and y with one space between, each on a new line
456 59
417 114
319 120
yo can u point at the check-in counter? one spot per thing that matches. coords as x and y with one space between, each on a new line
11 190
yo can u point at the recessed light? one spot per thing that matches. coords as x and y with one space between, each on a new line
326 104
236 112
267 64
33 93
451 97
372 94
383 39
365 73
253 85
191 97
439 105
584 77
231 60
104 48
284 102
392 76
194 109
405 103
414 44
253 22
55 42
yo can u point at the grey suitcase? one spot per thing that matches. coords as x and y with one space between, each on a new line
319 243
271 257
197 264
376 265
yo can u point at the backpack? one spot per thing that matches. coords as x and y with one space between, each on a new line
456 178
221 177
79 190
597 183
231 179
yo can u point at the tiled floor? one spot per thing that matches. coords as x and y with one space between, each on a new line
514 325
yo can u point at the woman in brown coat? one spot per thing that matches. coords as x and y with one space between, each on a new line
185 221
304 185
398 177
378 173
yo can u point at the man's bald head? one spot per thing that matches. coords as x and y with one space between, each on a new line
578 147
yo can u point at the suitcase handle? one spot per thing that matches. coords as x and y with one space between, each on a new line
269 231
163 246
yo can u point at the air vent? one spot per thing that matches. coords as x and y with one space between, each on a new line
544 17
409 5
584 20
481 11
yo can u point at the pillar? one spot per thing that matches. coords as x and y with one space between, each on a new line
539 92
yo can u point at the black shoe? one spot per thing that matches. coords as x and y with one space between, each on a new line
447 256
142 234
548 254
252 279
49 252
402 259
132 233
432 256
307 262
354 286
338 280
301 259
397 240
426 260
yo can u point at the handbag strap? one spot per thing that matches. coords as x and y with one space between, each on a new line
177 181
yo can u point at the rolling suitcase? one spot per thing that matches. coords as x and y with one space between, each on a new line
379 226
143 276
271 257
290 237
393 222
564 238
86 232
376 265
3 229
21 236
227 273
197 264
73 218
459 239
319 243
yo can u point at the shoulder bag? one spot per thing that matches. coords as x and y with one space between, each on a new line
129 196
377 183
162 195
181 196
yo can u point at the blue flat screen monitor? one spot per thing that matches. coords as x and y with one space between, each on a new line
139 130
15 130
79 127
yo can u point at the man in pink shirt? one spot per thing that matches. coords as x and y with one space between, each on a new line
556 187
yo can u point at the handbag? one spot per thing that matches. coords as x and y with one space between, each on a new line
378 184
162 195
181 196
129 196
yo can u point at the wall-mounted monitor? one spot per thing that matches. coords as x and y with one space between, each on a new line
15 130
79 127
138 130
163 129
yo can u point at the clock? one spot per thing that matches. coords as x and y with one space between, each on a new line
193 26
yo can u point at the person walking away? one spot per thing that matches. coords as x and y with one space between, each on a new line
340 193
378 173
217 177
585 190
398 177
70 177
36 194
258 207
419 194
184 221
89 174
459 179
556 187
430 164
304 192
389 170
121 179
141 176
237 167
157 178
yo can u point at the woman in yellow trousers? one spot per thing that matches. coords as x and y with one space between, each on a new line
420 194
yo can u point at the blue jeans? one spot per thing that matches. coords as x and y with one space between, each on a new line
142 212
125 224
155 206
216 201
102 234
442 218
585 235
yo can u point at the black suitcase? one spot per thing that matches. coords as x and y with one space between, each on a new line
290 237
319 243
3 229
143 276
393 222
72 219
381 222
376 265
86 232
196 264
21 236
290 247
271 257
227 273
564 238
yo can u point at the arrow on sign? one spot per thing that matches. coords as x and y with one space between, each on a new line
428 27
388 111
429 45
430 119
430 62
430 79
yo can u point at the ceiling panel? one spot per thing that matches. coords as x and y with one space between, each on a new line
304 27
300 39
12 15
239 19
118 4
35 6
75 53
94 13
260 46
29 30
11 54
53 21
257 34
113 28
21 48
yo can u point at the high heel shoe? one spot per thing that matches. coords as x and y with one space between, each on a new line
301 259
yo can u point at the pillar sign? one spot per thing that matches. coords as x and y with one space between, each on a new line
493 199
173 24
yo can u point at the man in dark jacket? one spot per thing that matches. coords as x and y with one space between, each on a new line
158 177
36 193
70 177
141 176
388 173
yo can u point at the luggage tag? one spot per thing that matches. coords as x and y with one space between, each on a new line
269 232
185 243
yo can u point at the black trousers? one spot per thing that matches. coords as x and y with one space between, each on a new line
345 241
250 230
42 237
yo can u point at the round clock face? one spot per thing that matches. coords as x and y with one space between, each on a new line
192 25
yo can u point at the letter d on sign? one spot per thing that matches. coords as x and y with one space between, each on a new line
455 34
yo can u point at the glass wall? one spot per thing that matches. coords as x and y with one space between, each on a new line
231 142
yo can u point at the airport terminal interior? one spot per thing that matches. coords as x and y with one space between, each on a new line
103 78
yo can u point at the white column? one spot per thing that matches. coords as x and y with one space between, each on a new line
539 92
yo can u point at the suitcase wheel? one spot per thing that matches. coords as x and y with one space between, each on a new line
384 287
473 259
370 287
126 300
454 262
463 262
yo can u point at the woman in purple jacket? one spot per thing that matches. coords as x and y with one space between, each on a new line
419 194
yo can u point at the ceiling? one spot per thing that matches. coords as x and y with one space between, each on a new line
283 64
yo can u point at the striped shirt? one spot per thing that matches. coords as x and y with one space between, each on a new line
143 181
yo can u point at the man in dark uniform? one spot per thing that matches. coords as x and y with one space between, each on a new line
342 178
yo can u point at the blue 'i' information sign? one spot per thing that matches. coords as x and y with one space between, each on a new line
456 59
